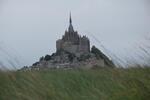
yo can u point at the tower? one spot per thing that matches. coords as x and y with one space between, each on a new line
72 42
71 35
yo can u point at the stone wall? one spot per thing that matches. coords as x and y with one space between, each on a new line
84 45
73 43
72 48
59 44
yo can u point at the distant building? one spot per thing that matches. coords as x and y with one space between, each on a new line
72 42
72 51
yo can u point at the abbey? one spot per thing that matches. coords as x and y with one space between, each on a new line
72 42
73 51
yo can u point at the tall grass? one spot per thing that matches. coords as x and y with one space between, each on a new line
101 84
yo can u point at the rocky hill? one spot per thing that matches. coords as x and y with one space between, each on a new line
73 51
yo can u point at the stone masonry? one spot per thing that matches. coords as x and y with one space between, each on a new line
73 51
73 42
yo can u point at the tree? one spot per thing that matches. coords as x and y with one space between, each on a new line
47 58
42 58
35 64
84 57
100 55
97 52
71 56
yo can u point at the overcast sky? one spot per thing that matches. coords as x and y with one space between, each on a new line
31 27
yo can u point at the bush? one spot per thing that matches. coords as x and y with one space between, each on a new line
42 58
71 56
100 55
83 57
97 52
35 64
47 58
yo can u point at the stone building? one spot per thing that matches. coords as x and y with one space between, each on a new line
72 42
73 51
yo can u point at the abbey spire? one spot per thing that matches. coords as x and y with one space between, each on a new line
70 29
70 19
73 52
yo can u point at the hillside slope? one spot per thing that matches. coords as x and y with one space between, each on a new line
102 84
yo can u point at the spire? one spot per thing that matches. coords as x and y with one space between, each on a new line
70 29
70 19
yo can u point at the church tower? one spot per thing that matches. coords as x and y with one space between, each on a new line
70 34
72 42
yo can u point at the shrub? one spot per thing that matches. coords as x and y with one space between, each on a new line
47 58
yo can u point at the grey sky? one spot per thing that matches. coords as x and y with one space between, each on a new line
31 27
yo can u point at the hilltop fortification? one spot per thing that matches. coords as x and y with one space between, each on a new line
73 51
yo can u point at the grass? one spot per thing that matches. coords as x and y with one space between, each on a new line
101 84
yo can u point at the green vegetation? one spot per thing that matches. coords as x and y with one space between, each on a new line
100 55
101 84
84 57
47 58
